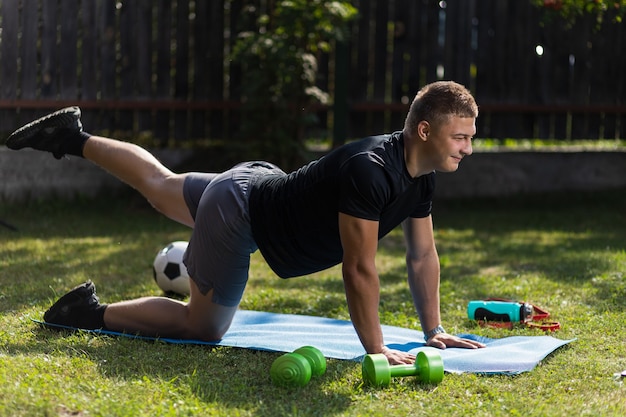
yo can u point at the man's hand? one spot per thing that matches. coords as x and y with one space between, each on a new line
397 357
443 340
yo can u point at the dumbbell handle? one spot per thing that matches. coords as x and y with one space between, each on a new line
404 370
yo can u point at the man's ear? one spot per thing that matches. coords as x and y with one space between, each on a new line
423 130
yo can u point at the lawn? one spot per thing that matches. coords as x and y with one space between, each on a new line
563 252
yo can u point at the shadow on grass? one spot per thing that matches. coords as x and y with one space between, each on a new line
225 376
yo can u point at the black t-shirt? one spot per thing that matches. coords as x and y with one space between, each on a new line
294 216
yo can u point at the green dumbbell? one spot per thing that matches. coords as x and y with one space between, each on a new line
428 368
296 368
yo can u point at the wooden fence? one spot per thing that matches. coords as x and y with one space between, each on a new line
160 67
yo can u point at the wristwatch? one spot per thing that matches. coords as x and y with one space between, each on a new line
437 330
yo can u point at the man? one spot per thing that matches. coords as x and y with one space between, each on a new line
333 210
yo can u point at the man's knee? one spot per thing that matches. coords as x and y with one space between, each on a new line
207 320
208 332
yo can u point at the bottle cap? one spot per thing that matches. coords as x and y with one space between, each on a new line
526 312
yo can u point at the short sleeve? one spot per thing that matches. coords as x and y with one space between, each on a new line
364 187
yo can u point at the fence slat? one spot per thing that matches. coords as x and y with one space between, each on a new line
181 79
142 14
29 68
380 45
126 62
359 76
67 49
163 80
28 50
89 62
201 63
107 30
8 56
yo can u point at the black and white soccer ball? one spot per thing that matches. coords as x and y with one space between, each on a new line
170 273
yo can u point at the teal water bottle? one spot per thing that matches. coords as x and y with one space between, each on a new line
499 311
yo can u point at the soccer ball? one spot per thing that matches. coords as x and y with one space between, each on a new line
168 269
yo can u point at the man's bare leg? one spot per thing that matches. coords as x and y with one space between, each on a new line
141 170
61 133
200 318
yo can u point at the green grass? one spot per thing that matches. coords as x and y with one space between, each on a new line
566 253
494 145
498 145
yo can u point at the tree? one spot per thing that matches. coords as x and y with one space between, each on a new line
278 59
573 9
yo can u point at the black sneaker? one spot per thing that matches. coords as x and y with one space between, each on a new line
48 133
79 308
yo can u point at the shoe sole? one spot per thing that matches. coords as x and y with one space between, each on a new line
65 117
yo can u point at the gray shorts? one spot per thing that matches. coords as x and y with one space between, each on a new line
218 254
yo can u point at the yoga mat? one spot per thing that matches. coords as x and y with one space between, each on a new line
337 339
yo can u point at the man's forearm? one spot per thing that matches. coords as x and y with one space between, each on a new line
362 295
423 276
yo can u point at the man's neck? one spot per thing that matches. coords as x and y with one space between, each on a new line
414 164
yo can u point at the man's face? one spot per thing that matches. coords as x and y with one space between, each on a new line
450 142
